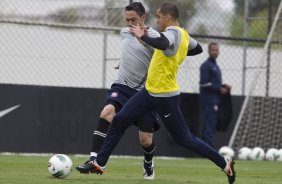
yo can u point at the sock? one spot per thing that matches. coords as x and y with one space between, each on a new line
149 152
227 165
99 136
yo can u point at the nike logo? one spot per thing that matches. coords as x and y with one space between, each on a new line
167 115
7 111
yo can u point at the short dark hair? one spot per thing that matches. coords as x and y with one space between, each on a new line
169 8
137 7
212 44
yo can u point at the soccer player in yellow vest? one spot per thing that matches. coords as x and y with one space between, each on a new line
161 93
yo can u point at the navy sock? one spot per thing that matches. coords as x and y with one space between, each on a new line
149 152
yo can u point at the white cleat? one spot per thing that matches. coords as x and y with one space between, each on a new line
148 168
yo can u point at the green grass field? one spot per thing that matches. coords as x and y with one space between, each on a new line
17 169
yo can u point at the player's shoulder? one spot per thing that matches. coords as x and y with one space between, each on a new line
175 30
206 63
125 30
172 29
209 63
126 33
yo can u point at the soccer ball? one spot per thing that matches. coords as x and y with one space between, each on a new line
271 154
60 165
257 153
279 155
244 153
226 151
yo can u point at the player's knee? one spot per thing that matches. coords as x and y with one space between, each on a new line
146 139
108 112
146 142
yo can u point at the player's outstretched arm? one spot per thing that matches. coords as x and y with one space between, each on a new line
162 43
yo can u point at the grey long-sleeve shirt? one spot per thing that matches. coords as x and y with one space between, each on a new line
135 59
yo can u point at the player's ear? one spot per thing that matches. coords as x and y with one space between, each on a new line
167 17
143 18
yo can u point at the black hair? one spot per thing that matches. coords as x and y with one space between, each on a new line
212 44
137 7
169 8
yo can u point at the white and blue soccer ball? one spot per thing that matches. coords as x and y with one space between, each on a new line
243 153
257 153
226 152
279 155
60 165
271 154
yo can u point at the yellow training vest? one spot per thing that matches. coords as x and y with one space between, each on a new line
163 69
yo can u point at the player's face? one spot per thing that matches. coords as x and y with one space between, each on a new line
214 51
161 20
132 18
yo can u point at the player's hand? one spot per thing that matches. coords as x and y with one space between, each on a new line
145 29
137 31
116 67
223 90
228 87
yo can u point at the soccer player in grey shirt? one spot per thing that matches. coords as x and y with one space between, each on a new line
131 77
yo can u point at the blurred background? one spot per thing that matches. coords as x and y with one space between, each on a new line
76 42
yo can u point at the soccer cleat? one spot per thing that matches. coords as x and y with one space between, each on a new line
148 168
230 171
85 168
90 167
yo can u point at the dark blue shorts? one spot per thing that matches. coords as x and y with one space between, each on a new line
119 94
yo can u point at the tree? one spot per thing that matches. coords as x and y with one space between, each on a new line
255 6
258 12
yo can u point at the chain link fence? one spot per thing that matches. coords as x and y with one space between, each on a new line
76 43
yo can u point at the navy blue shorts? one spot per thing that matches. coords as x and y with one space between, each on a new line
119 94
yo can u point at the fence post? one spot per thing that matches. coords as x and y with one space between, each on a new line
268 50
105 36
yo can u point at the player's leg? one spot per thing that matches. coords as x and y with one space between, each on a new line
114 101
116 97
133 110
170 112
148 147
99 135
101 130
147 124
